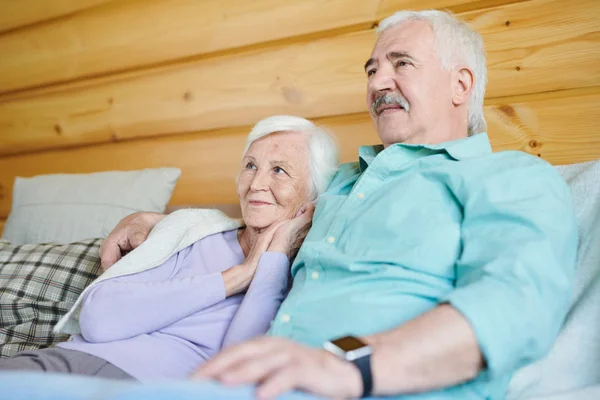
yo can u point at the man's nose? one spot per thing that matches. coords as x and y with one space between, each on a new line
382 80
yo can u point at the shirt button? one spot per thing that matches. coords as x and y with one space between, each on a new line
360 196
314 276
331 239
285 318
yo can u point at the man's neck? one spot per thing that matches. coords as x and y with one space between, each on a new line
435 137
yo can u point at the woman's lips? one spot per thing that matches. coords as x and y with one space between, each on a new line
258 203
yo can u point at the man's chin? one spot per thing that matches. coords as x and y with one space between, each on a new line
390 133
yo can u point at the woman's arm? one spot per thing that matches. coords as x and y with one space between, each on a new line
270 283
262 300
122 308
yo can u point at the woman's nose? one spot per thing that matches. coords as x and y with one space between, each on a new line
260 181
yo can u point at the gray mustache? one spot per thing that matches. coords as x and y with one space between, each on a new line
389 98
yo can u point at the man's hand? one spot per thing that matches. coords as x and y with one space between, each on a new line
129 233
279 365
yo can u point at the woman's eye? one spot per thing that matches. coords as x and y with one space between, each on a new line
279 170
250 166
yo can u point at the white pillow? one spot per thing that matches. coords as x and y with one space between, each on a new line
65 208
574 361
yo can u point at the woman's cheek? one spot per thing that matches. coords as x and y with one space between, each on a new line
293 195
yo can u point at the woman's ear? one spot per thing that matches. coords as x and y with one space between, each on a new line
464 80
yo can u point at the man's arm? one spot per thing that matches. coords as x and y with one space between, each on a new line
513 288
433 351
129 233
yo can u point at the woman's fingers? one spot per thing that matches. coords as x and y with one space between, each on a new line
266 237
263 241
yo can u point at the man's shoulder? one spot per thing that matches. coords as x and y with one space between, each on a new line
345 172
512 162
515 169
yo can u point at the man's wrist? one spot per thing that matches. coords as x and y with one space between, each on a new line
349 373
355 379
355 351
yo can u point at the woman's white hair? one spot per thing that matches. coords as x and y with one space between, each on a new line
323 153
457 45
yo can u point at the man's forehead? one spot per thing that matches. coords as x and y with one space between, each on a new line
406 37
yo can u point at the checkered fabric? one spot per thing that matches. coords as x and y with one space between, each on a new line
38 284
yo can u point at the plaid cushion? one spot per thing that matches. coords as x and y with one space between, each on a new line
38 284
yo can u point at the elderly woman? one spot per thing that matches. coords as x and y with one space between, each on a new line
223 289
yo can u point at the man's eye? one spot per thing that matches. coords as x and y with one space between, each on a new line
250 166
279 170
401 64
371 72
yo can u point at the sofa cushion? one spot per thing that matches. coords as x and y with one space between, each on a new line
38 285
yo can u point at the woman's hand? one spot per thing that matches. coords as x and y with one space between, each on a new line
291 234
238 278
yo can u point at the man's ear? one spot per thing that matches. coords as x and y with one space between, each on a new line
464 80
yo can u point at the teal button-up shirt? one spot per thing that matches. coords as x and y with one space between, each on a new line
409 227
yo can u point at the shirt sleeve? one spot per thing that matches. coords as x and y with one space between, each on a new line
515 273
262 299
122 308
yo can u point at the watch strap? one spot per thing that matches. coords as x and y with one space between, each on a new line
364 366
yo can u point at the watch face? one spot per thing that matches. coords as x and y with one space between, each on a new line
348 343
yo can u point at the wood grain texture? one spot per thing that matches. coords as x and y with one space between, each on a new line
545 45
2 223
134 33
561 130
545 48
129 34
388 7
18 13
209 160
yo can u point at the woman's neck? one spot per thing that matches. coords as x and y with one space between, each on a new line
247 237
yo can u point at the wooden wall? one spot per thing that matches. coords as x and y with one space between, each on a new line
92 85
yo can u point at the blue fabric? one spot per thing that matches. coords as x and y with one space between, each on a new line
40 386
409 227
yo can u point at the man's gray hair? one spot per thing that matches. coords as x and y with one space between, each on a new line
457 45
323 153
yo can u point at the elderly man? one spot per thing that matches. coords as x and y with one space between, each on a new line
434 268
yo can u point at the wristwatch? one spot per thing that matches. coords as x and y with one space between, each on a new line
356 351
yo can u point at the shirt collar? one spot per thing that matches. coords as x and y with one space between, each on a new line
461 149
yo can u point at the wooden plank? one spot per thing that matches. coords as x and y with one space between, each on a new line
389 7
209 160
18 13
540 44
116 37
2 222
128 34
316 79
561 130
